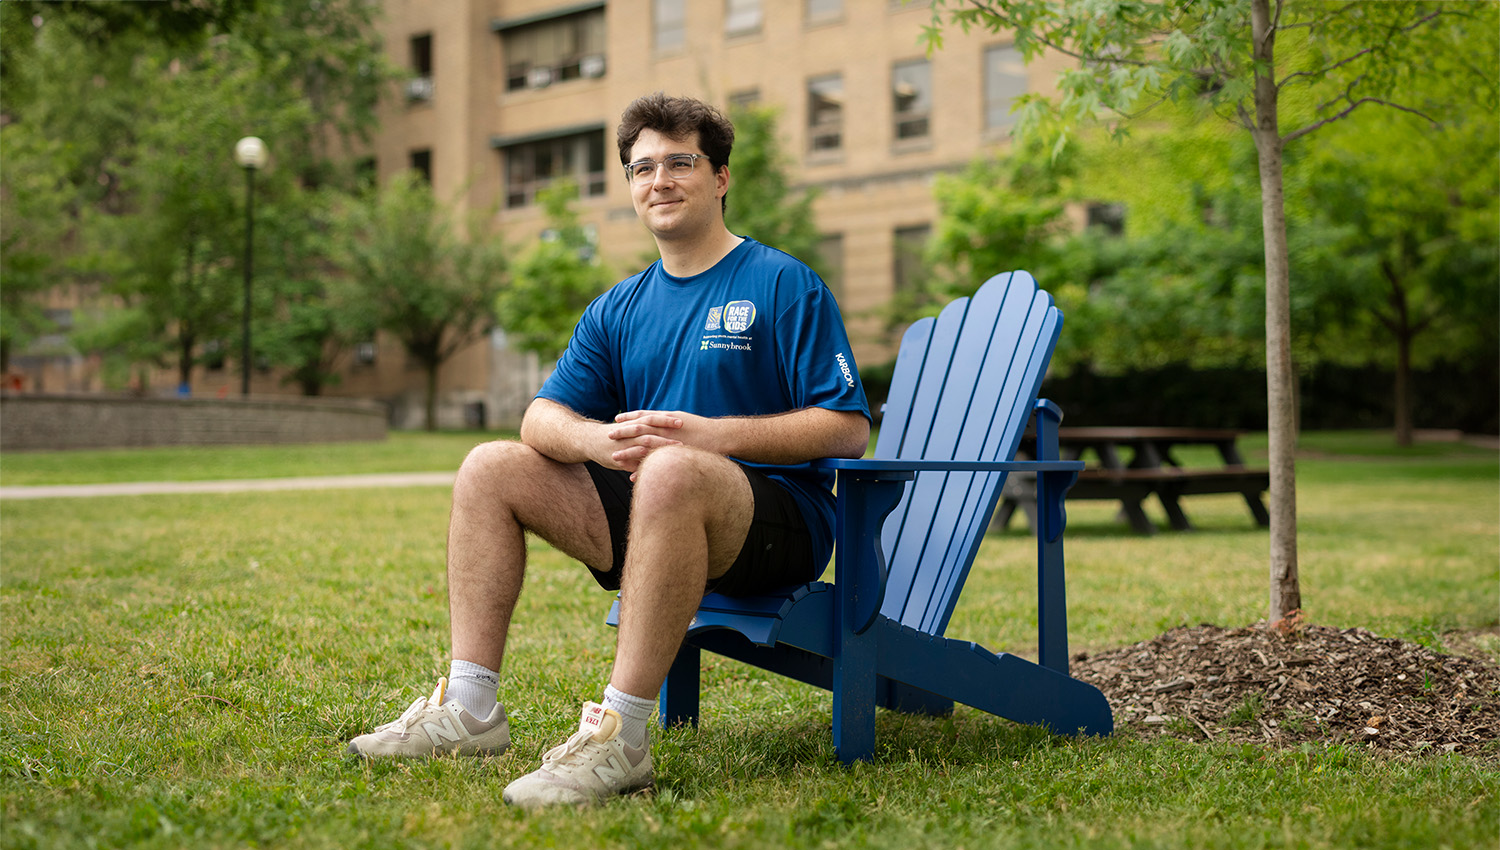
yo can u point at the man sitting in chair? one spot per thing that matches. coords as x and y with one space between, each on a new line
639 458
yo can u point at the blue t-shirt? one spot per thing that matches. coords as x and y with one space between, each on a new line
757 334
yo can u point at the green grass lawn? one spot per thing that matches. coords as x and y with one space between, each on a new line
402 451
183 671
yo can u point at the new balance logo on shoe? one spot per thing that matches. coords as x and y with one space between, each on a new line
614 771
437 733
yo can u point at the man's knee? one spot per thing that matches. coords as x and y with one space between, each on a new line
674 476
492 470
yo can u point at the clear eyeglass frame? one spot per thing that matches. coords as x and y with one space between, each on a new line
679 166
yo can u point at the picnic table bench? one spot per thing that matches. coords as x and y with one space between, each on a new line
1150 469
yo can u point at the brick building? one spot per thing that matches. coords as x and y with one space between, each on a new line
504 95
507 94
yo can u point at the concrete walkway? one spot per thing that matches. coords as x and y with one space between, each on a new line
153 488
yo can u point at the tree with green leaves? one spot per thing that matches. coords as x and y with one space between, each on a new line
1335 58
148 101
554 279
1419 258
313 323
1001 212
415 276
762 203
34 227
180 245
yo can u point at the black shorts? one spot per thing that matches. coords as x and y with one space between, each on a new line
777 550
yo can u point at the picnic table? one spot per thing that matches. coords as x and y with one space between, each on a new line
1134 463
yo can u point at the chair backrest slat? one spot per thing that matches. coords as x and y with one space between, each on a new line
963 388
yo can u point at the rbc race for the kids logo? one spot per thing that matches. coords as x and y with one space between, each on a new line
738 316
734 319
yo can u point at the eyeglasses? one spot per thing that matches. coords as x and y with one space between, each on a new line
679 166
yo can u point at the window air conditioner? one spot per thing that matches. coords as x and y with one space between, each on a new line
539 78
591 65
419 88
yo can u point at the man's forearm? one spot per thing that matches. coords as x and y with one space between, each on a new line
793 437
557 432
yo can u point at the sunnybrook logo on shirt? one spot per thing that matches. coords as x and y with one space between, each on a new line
734 319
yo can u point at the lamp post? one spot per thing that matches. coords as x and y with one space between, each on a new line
250 153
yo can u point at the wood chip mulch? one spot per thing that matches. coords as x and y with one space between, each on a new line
1295 683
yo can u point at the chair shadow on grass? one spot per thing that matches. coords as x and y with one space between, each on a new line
777 745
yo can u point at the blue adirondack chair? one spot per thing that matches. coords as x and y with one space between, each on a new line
909 522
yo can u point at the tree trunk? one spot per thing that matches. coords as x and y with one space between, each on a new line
1400 325
432 392
1285 590
186 344
1405 430
311 387
187 336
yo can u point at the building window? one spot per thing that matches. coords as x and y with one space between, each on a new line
744 99
541 53
213 355
1109 217
421 162
825 113
669 22
742 17
366 172
911 99
532 165
831 253
61 318
419 87
1004 81
908 269
823 11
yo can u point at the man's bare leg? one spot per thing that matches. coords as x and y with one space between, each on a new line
690 513
502 489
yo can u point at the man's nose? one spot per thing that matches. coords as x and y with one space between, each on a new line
661 176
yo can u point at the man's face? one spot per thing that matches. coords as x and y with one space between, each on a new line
677 208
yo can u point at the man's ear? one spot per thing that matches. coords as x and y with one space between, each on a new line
721 181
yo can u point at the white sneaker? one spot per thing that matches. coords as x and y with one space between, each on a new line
588 769
429 727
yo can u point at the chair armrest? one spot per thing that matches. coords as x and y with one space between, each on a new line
872 465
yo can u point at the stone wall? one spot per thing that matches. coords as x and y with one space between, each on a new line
45 422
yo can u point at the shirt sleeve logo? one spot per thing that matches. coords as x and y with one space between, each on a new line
738 316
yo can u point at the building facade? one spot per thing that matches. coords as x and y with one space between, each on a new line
500 97
504 96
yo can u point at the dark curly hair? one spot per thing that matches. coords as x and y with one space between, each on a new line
677 118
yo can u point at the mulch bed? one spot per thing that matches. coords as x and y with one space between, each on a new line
1300 683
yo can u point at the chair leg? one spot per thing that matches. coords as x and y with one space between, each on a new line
678 701
854 699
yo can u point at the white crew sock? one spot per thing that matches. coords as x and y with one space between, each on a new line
635 713
474 686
